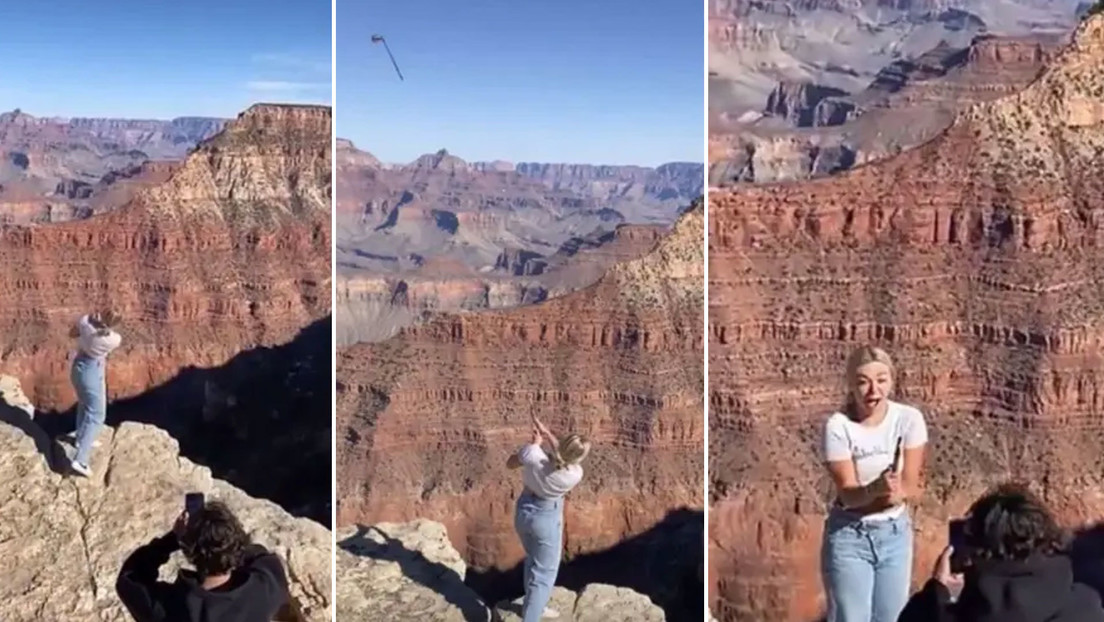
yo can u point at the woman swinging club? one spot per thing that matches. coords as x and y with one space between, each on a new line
96 338
538 517
874 450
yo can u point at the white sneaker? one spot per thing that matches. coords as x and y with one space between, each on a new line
80 469
549 614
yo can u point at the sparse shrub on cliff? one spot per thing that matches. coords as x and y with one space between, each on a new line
1095 9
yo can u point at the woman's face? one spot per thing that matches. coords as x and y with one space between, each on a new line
872 385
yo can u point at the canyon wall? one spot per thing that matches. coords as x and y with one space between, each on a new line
229 254
974 259
426 420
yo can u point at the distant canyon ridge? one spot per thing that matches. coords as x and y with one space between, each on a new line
814 88
443 234
56 169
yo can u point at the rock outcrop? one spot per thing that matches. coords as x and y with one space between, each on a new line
428 419
973 258
230 253
408 571
64 539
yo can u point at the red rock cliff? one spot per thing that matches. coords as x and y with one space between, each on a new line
428 419
231 252
975 259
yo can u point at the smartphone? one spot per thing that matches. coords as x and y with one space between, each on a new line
897 455
193 504
956 536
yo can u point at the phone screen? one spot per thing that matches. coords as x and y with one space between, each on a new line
956 535
193 503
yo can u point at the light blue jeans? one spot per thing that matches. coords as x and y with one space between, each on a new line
88 377
867 567
539 524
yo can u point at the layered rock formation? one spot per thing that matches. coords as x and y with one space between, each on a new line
428 419
908 103
973 260
791 103
65 539
444 234
53 170
229 254
411 571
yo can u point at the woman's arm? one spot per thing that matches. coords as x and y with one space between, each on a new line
542 429
911 482
850 492
514 461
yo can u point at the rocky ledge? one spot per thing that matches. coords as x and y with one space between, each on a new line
410 571
64 538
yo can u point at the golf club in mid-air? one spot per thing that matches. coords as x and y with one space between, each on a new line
380 39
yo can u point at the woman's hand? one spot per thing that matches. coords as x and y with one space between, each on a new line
888 486
536 436
544 430
895 489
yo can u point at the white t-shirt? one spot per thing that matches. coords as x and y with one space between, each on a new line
92 343
542 477
872 448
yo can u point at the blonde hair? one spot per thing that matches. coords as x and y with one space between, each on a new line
573 449
860 357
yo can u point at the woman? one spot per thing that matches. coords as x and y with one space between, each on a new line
96 338
874 450
1016 568
538 518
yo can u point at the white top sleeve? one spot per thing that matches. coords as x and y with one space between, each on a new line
85 327
836 444
915 429
532 454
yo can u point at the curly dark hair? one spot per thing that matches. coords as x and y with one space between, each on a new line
1011 523
214 541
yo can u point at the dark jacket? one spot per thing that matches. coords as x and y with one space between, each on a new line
254 593
1040 589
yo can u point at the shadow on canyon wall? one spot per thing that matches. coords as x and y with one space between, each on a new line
664 563
262 421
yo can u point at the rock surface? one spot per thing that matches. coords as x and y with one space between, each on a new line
410 571
64 538
974 260
428 419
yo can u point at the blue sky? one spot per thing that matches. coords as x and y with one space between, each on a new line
594 81
163 58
